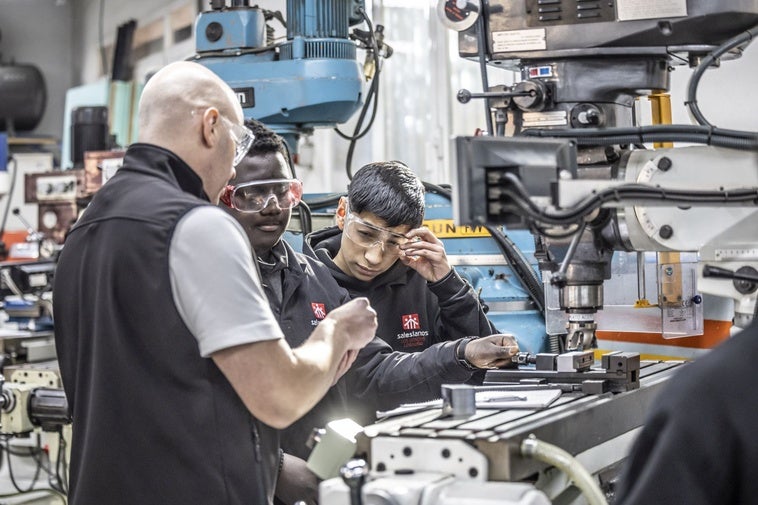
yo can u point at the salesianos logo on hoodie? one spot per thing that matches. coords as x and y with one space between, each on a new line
319 310
410 322
413 336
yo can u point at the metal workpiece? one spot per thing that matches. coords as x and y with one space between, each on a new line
498 433
619 372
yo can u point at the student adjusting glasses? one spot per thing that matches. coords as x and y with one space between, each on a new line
257 195
367 235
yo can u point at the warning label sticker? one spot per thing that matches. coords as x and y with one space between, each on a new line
445 228
630 10
519 40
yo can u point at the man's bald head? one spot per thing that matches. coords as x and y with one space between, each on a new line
182 109
171 95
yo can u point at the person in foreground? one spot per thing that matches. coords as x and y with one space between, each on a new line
176 372
698 443
301 292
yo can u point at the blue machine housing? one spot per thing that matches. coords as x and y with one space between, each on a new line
498 286
311 80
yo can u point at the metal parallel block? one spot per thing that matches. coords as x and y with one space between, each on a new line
576 361
595 387
546 361
619 361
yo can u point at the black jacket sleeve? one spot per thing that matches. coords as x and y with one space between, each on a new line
460 311
381 378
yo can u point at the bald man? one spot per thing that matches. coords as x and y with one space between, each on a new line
175 390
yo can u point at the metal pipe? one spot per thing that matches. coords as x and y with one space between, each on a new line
481 41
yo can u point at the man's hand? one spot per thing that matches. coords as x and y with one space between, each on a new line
296 482
355 323
345 363
425 254
494 351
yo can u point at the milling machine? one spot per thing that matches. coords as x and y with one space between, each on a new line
573 167
566 158
310 79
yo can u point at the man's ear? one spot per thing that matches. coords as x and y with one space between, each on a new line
210 130
341 212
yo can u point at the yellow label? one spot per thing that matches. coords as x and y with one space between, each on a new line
445 228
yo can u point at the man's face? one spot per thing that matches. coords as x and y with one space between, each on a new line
360 260
264 228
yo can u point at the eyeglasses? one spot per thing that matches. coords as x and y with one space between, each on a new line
243 139
367 235
241 135
257 195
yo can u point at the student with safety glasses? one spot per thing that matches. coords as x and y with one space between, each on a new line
301 291
379 250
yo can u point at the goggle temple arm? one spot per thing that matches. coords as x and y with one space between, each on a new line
226 195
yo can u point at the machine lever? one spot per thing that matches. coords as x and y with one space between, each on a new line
465 96
723 273
354 474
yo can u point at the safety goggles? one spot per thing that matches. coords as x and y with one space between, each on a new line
367 235
257 195
243 139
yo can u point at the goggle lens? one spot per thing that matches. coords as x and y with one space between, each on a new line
256 196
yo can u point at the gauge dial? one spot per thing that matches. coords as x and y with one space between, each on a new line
459 15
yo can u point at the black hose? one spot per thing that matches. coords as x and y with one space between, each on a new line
306 219
520 266
372 98
516 259
744 37
658 133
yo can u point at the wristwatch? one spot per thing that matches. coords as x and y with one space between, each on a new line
460 353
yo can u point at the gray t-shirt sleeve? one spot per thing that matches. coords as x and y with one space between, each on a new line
215 285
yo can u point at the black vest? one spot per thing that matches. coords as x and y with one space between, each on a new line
153 421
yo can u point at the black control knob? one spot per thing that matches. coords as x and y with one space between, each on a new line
534 98
587 115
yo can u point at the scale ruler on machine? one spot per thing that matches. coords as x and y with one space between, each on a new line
736 254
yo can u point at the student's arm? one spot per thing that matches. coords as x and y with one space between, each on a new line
387 378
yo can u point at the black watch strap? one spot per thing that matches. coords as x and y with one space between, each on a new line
460 353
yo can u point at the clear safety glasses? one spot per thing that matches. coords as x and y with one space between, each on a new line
257 195
367 235
243 139
241 135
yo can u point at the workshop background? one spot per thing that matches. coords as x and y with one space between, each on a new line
73 44
418 112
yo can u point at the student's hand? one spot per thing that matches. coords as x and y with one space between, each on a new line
425 254
494 351
296 482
